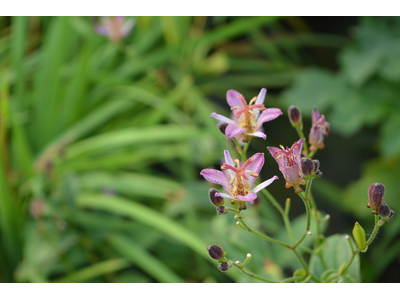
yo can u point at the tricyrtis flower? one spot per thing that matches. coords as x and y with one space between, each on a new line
289 162
115 28
238 180
247 119
319 130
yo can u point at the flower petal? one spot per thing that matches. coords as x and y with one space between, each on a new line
249 198
255 167
222 119
128 25
315 115
217 177
260 100
232 98
223 195
297 148
232 130
279 155
229 161
268 115
258 134
264 184
101 29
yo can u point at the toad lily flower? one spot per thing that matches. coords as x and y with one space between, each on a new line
246 118
319 130
289 162
115 28
238 180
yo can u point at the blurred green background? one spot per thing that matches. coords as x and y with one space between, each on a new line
101 143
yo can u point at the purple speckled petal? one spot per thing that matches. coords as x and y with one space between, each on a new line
268 115
297 148
255 166
232 130
217 177
232 99
248 198
315 115
260 100
223 195
279 155
229 161
258 134
264 184
222 119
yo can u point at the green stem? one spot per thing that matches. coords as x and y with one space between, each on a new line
374 232
242 151
272 200
248 273
312 153
291 279
303 263
243 223
301 135
307 205
287 222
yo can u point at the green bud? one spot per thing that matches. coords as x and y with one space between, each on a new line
359 236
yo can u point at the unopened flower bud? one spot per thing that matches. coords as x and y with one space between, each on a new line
222 210
318 174
359 236
216 252
307 166
375 194
225 266
384 210
216 200
222 127
390 218
316 164
294 115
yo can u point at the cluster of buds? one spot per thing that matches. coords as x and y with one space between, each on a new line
217 253
375 194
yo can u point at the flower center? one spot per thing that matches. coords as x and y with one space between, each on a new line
239 180
249 120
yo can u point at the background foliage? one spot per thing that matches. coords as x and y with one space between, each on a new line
102 144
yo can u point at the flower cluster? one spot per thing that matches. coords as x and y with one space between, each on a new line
238 177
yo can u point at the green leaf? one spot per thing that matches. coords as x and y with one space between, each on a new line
147 262
335 253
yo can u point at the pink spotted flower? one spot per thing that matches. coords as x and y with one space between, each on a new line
238 179
289 162
247 119
115 28
319 130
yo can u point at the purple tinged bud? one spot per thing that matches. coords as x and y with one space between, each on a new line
316 164
384 210
222 127
294 115
318 174
307 166
216 252
390 218
375 193
222 210
225 266
215 200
